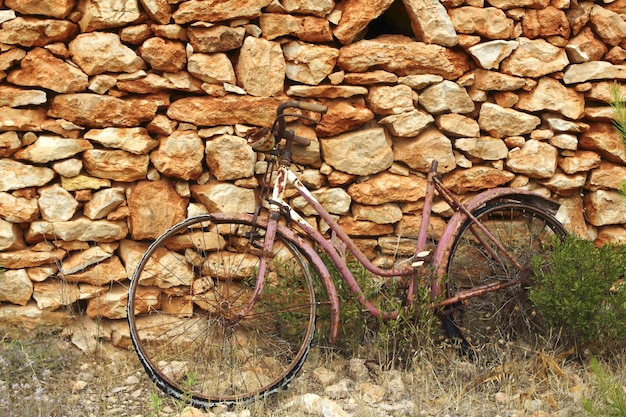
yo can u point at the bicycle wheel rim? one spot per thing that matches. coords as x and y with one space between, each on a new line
505 314
202 352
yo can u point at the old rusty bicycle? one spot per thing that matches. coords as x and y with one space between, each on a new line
222 307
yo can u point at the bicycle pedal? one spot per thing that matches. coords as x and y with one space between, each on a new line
420 259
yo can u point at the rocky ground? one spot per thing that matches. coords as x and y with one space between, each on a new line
44 375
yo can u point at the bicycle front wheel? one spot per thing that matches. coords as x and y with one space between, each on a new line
501 310
185 307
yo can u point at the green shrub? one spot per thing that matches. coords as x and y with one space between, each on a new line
579 288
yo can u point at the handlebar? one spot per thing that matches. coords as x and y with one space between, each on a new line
264 139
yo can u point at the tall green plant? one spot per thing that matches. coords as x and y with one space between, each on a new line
611 400
618 104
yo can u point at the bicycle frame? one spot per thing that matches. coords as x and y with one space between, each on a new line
463 211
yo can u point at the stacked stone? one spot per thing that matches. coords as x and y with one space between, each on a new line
120 118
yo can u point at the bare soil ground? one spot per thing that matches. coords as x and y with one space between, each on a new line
41 374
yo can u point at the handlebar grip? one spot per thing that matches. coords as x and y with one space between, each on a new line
300 140
318 108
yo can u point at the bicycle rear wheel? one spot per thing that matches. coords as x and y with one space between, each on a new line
185 304
525 232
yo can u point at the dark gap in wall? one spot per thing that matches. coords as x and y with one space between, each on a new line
394 21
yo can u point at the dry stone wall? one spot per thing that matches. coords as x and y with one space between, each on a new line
121 117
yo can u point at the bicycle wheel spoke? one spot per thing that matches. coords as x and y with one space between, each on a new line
193 340
476 266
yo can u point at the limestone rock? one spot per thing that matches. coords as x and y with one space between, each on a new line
159 10
608 25
549 21
484 148
101 273
579 161
305 28
154 207
364 152
261 67
356 15
9 143
605 140
388 188
93 110
510 4
22 119
334 200
407 124
534 58
328 91
382 214
585 47
595 70
419 152
39 68
116 165
103 202
496 81
26 258
212 68
230 157
197 10
104 14
343 115
606 176
52 148
18 209
17 97
16 175
307 63
228 110
501 122
10 236
315 7
84 182
179 155
550 94
99 52
604 208
216 38
488 22
490 54
164 54
56 204
403 56
447 96
431 22
30 31
385 100
565 184
58 9
81 229
135 140
457 125
16 287
112 304
224 197
364 228
535 159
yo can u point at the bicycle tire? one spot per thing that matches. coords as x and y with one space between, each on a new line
189 337
498 316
